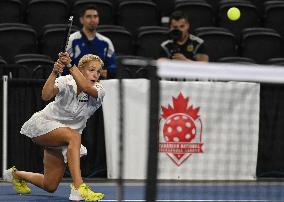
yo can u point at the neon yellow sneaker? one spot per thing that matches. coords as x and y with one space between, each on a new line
84 192
20 186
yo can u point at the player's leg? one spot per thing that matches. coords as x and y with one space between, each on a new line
63 137
69 137
54 168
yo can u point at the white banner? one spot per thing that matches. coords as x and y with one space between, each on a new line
208 130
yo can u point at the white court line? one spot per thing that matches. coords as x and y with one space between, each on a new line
198 200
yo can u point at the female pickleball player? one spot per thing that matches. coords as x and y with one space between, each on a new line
59 125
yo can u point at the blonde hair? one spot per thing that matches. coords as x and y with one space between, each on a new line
87 58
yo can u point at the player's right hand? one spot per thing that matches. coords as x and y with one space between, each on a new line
58 67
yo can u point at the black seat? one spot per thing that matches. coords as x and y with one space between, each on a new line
2 66
275 61
194 10
105 10
32 61
41 72
165 7
249 16
237 59
218 42
274 16
131 71
52 39
261 44
39 66
15 39
149 40
135 14
43 12
259 5
2 61
16 71
11 11
121 38
214 4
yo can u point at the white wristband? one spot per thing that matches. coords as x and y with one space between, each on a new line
68 66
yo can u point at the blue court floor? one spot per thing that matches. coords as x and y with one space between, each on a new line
167 191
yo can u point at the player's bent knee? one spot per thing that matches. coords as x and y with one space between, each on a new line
51 184
75 138
50 187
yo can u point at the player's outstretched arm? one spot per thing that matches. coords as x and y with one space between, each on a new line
81 81
49 90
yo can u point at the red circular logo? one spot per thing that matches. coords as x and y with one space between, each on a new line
179 128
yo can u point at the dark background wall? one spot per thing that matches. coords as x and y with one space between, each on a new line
271 131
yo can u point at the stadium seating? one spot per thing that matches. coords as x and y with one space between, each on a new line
15 71
124 22
259 5
41 72
237 59
218 42
43 12
165 7
134 14
249 16
275 61
214 4
33 66
16 38
71 3
261 44
274 16
31 61
149 41
2 61
120 37
11 11
196 9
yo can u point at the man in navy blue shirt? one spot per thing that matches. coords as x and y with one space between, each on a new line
87 40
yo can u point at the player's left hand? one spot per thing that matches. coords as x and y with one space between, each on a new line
179 56
58 67
64 58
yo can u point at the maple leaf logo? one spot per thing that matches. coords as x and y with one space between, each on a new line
180 105
181 129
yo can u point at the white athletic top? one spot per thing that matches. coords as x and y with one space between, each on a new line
70 109
67 110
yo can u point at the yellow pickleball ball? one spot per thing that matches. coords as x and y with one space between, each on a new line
234 13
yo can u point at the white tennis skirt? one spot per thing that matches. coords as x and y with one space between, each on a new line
39 124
